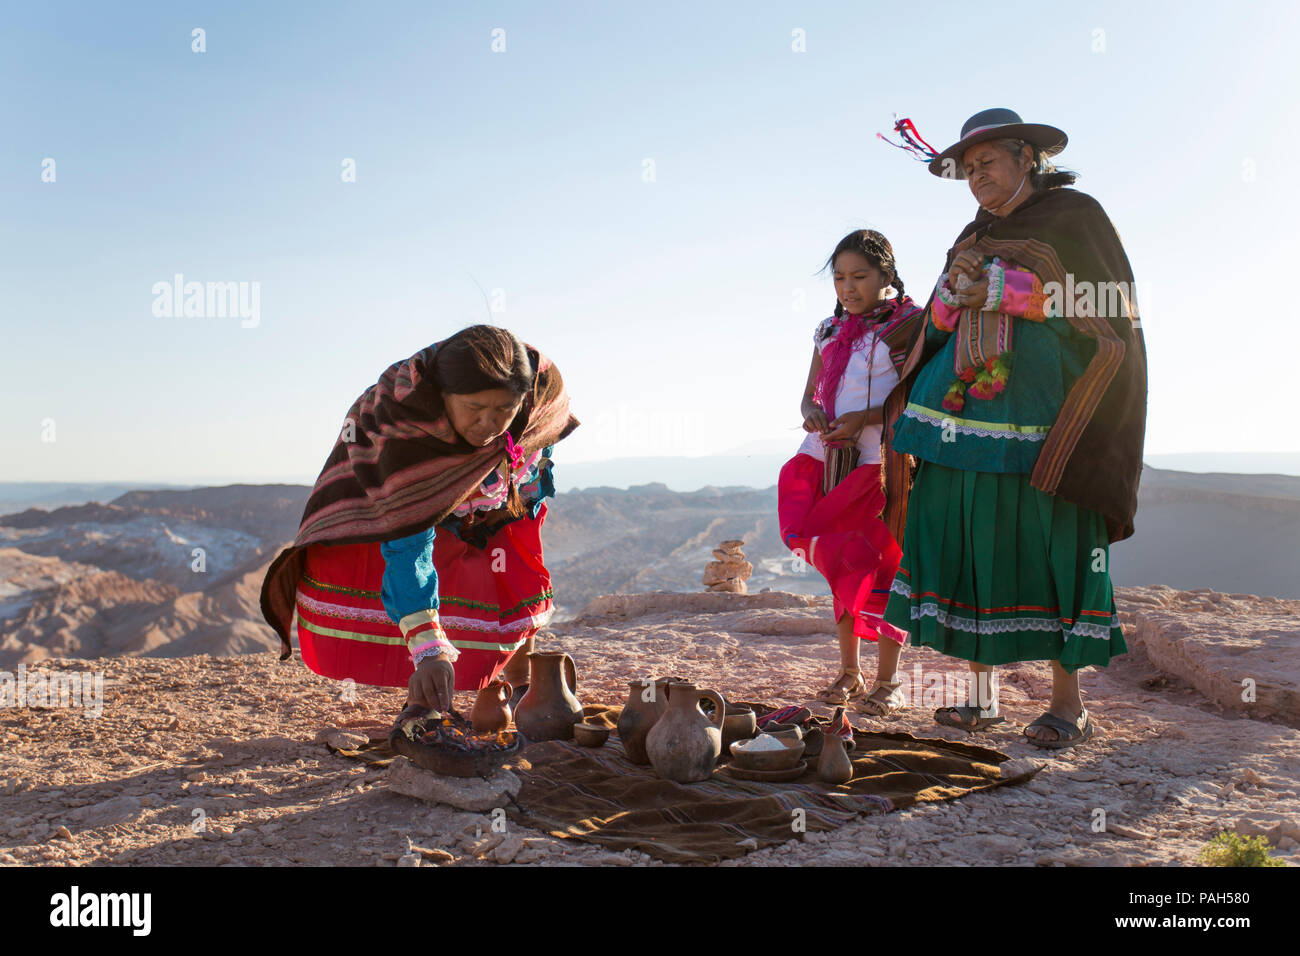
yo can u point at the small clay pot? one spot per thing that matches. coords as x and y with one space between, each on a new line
739 724
590 735
813 742
491 711
834 766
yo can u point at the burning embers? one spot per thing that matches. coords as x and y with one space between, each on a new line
452 732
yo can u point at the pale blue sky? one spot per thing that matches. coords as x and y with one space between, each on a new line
669 306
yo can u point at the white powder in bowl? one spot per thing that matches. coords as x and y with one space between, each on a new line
762 742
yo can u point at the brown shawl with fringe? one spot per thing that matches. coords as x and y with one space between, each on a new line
398 467
1092 457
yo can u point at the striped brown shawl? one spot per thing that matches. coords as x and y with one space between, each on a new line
1093 454
398 467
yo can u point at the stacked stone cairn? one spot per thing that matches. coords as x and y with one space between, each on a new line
729 570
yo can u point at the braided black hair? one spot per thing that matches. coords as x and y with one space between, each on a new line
876 249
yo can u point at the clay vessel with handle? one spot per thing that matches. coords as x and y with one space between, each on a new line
684 744
549 710
646 702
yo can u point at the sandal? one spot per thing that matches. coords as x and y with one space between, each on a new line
878 704
1067 734
839 695
965 718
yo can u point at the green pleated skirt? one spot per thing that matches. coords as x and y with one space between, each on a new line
995 571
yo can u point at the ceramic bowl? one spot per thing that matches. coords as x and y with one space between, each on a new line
738 724
767 759
590 735
787 732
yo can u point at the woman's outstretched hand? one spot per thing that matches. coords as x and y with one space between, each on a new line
432 684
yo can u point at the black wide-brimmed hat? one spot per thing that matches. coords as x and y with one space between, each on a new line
996 123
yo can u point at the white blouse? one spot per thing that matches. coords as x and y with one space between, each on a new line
868 379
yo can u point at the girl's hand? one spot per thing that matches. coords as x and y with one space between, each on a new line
969 264
432 684
847 427
814 417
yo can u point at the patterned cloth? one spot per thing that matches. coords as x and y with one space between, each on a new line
492 600
866 378
597 796
1001 432
996 571
838 338
399 468
1092 452
1026 475
410 585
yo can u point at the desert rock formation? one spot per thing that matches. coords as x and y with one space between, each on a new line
1236 532
728 571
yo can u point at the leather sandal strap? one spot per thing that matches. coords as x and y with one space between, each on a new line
1064 729
967 715
887 686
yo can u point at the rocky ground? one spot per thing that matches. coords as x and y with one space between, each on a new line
218 760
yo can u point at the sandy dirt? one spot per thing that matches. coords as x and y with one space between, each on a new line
218 761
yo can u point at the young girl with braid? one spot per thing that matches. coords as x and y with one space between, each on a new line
830 495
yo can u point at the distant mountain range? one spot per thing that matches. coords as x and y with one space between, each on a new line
753 465
757 464
121 577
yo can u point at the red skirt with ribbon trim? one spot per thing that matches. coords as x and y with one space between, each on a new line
842 536
491 601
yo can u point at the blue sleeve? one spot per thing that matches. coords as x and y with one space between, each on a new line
410 579
545 482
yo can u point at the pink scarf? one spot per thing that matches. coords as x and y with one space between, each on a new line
846 332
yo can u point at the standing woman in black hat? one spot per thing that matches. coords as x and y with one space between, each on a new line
1017 430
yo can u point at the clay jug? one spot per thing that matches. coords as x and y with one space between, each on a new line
684 744
834 766
491 711
646 702
549 710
